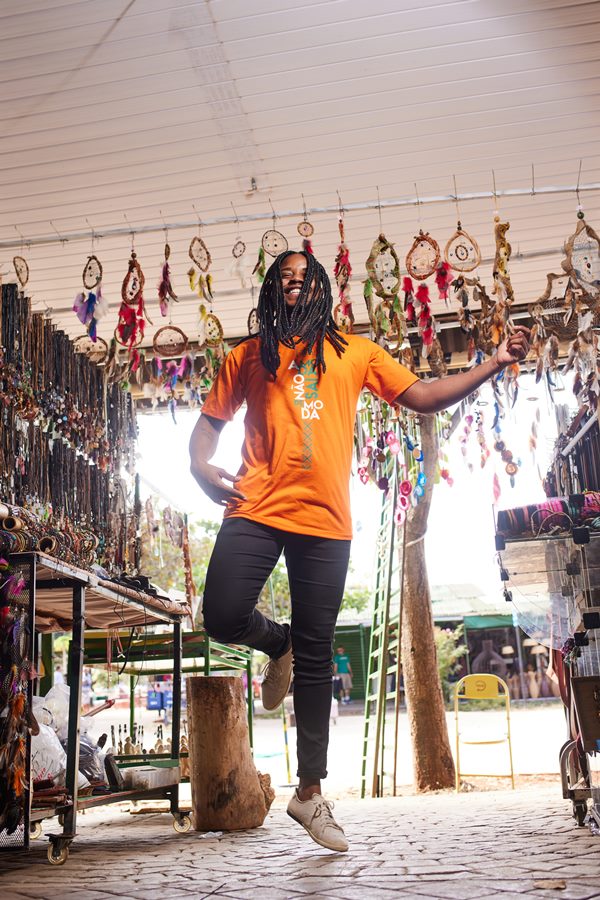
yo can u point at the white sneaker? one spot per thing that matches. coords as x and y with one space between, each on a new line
315 817
277 680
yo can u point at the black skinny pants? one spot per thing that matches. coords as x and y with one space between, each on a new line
244 556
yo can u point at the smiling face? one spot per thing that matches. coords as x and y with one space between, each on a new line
293 273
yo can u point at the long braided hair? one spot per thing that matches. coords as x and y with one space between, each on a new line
310 321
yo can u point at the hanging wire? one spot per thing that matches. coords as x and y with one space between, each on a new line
495 195
304 208
131 231
62 239
418 205
198 217
166 226
340 206
579 206
23 241
93 233
274 214
237 221
379 210
457 204
532 180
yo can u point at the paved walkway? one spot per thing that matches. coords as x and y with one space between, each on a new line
504 844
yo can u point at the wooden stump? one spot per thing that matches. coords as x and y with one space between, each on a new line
227 791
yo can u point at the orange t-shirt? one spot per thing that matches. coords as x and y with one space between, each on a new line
299 430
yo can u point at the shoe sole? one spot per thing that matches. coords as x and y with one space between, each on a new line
314 837
279 702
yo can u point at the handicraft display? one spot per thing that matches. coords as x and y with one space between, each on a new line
89 305
342 313
165 288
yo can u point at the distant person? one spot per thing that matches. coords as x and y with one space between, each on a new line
86 688
59 678
343 668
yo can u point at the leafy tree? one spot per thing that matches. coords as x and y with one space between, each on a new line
449 652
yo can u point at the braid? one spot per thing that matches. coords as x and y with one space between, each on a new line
310 321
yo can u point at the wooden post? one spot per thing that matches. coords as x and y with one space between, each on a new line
227 791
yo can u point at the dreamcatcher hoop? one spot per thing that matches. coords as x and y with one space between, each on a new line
125 341
133 283
389 288
96 351
200 254
21 268
170 341
274 242
423 257
92 273
462 251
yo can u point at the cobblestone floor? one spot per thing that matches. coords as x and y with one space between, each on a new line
504 844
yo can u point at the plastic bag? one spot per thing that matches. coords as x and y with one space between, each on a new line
91 759
48 759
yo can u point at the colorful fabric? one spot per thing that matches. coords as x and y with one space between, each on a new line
298 445
553 514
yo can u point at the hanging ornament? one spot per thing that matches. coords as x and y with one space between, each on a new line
210 331
582 260
165 288
89 305
170 341
425 319
253 320
132 314
383 269
238 249
386 317
200 254
443 280
21 270
273 242
343 314
423 256
583 358
306 230
95 350
260 269
502 283
462 251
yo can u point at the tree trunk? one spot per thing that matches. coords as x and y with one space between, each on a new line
432 758
227 791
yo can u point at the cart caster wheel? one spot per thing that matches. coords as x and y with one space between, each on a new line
182 825
580 812
57 857
35 831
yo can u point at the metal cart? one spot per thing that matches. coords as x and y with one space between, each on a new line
63 598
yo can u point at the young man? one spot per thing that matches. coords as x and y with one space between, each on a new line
300 379
343 669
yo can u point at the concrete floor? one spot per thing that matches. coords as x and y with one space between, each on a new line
503 844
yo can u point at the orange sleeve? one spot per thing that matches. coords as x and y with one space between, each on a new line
385 377
227 393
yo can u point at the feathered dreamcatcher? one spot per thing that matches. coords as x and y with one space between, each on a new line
306 230
383 281
462 251
165 287
96 351
200 281
132 313
90 305
273 243
342 314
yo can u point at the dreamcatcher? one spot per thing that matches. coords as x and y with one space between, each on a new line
502 289
253 320
95 350
462 251
273 243
342 314
582 262
200 282
239 264
170 341
387 319
89 305
165 287
306 230
423 257
583 358
21 268
132 313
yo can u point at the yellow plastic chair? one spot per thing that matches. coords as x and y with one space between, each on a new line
482 687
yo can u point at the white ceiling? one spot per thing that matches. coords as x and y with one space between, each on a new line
146 108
